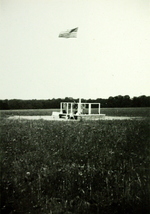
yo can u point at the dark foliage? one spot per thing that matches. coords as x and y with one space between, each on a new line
117 101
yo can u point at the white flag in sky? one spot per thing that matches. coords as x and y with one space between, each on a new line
69 33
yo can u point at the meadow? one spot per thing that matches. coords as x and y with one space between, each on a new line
131 112
54 167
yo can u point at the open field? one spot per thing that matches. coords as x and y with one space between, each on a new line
84 167
131 112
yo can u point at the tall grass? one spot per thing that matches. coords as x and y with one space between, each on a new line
82 167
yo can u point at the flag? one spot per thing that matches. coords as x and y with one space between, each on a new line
69 33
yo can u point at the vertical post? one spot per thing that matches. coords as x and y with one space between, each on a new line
79 106
89 108
99 108
71 110
61 107
67 108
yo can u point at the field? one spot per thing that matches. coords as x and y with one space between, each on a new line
131 112
89 167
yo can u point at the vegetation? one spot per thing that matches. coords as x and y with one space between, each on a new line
117 101
75 167
130 112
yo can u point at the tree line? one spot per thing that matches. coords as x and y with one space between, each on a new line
111 102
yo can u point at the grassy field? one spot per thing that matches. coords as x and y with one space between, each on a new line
131 112
89 167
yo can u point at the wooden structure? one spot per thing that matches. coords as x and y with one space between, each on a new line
86 111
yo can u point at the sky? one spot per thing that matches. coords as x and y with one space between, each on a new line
109 57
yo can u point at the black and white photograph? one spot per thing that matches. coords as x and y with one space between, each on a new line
74 106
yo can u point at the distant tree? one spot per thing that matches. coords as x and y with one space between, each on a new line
117 101
4 105
126 101
135 102
141 101
144 101
1 104
111 102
